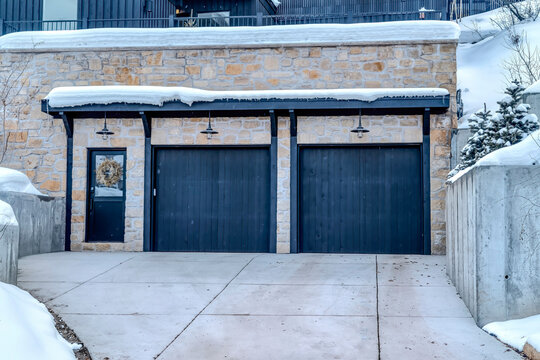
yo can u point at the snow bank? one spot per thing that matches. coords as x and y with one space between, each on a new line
7 217
534 341
526 152
13 180
480 73
156 95
533 89
477 27
27 329
320 34
516 332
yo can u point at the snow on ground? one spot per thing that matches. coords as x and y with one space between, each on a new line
27 329
7 217
320 34
157 95
526 152
477 27
13 180
480 73
516 332
534 341
533 89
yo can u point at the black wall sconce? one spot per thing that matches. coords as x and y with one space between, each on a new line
209 131
360 130
105 133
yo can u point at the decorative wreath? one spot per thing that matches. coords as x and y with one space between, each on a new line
109 173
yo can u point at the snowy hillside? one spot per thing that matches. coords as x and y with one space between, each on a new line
27 329
480 65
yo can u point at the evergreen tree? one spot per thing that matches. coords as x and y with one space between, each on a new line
511 124
475 147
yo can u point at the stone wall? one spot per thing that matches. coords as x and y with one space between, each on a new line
38 146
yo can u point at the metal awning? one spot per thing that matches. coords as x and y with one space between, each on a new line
243 108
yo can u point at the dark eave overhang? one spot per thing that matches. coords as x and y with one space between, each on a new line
249 108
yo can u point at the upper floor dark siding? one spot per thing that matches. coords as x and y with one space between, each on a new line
123 9
23 10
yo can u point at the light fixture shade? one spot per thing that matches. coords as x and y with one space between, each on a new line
105 132
360 130
209 131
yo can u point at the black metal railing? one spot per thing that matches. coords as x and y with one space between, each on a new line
458 9
7 27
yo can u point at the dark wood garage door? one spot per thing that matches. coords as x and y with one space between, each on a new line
361 200
212 199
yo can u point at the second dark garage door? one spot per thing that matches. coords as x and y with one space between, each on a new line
361 200
212 199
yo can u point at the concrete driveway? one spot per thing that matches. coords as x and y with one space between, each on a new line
245 306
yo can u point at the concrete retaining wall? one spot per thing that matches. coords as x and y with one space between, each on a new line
533 100
9 248
493 241
459 140
41 221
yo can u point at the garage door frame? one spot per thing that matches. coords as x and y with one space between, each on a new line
272 149
301 147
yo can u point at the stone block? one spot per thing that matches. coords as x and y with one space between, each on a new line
374 66
193 70
271 63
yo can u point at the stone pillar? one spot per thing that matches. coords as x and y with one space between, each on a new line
284 187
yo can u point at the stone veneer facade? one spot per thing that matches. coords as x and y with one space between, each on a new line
38 143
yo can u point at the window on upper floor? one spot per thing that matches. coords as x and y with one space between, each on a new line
59 14
216 18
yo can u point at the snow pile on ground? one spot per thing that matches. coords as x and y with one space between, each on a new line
516 332
480 73
27 329
526 152
477 27
533 89
13 180
7 216
156 95
262 36
534 340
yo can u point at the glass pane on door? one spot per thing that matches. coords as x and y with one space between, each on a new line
109 175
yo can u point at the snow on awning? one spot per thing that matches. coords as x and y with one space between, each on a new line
65 97
234 37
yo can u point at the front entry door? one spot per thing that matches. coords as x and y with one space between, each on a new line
106 195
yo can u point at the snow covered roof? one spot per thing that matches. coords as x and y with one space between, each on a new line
231 37
533 89
157 96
